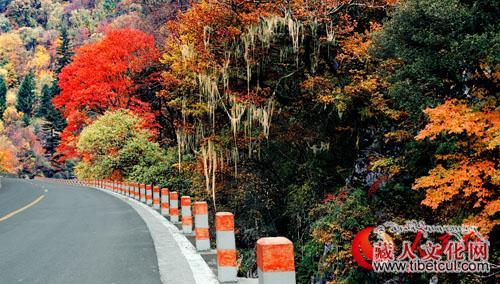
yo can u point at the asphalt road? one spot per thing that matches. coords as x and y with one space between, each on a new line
71 235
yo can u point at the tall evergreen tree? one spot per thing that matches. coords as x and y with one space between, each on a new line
54 115
54 121
64 55
26 95
45 103
64 51
3 96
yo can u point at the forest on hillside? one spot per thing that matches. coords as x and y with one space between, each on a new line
307 119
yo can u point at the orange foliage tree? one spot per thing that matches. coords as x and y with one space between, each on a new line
468 173
8 160
107 74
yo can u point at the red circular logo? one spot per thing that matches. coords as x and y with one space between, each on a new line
362 250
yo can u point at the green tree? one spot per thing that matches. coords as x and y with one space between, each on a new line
3 95
64 50
4 23
453 54
26 95
3 5
47 110
54 115
109 6
26 13
45 103
116 146
441 54
54 121
64 55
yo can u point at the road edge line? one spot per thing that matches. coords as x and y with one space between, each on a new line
204 274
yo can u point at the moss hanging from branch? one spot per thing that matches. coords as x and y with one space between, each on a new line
210 91
244 113
210 160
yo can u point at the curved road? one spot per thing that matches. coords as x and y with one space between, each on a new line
71 235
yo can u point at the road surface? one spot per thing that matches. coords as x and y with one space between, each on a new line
55 233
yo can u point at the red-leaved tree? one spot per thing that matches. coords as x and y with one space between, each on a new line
109 74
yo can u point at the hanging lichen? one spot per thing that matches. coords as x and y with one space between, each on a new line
322 147
252 117
330 32
261 115
208 88
181 145
294 29
209 157
206 36
225 70
316 44
265 32
248 43
236 113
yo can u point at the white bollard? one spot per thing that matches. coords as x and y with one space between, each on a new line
143 193
187 218
275 261
202 235
164 202
156 197
227 269
149 195
174 207
137 194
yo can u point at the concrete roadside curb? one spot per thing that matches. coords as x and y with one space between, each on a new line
157 226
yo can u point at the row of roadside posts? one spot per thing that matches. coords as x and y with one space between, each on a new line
275 255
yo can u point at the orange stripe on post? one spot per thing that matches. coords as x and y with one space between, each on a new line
201 233
174 195
185 201
275 255
200 208
226 257
187 220
224 221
